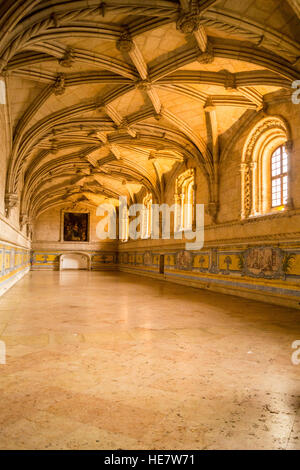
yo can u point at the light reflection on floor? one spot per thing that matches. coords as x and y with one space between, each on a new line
110 360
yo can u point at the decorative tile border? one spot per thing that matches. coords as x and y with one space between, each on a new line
49 260
259 269
14 263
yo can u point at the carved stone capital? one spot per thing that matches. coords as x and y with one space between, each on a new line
125 43
11 201
24 220
188 23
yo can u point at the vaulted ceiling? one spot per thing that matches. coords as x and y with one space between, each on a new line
106 98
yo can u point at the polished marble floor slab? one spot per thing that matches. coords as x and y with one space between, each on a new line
115 361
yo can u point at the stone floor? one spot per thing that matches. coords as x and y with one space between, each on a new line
115 361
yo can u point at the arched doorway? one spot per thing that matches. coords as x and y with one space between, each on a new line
74 261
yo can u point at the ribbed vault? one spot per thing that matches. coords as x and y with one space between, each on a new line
106 98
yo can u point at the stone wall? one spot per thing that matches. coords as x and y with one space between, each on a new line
258 257
267 272
48 245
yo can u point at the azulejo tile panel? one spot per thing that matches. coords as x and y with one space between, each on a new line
50 260
13 261
274 270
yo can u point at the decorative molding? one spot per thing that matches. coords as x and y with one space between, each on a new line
59 85
207 57
68 58
125 42
188 23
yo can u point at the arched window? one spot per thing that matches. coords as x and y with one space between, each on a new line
184 199
265 169
279 177
147 216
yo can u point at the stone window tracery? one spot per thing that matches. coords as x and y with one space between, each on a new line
265 170
184 200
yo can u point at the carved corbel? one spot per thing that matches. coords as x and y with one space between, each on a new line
29 229
188 23
24 219
212 209
11 201
59 85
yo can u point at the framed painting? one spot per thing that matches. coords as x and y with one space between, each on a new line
75 226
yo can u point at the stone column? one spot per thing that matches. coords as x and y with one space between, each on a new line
181 210
176 213
194 202
253 166
289 150
243 170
